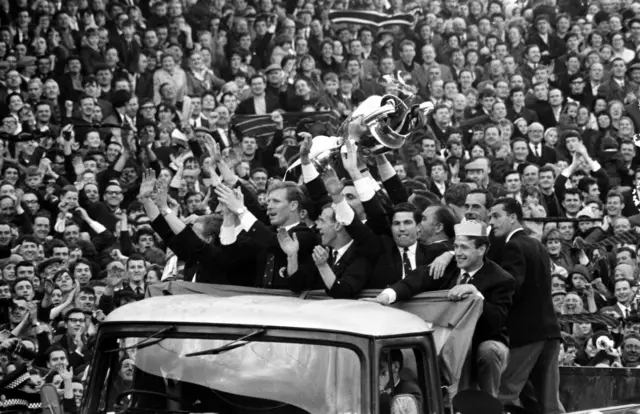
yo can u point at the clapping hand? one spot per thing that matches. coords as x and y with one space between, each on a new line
320 256
288 244
232 199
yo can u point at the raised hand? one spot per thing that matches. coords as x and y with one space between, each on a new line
305 147
289 245
148 185
162 194
349 154
277 118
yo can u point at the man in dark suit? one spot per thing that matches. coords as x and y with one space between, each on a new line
471 274
345 268
532 325
539 153
128 48
284 261
260 102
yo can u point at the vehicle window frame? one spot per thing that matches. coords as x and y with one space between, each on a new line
428 377
104 364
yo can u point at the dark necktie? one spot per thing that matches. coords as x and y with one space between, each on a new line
267 277
465 278
406 264
138 291
536 151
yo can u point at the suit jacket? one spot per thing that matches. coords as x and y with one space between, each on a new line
203 260
261 242
634 113
548 156
495 284
129 54
384 255
532 317
612 91
247 107
352 271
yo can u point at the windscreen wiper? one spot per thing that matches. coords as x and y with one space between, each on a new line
150 340
228 347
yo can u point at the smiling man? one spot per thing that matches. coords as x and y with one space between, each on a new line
471 274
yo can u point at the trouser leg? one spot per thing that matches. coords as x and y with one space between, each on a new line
491 360
545 378
521 363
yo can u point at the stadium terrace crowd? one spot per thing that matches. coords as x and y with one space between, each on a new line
151 141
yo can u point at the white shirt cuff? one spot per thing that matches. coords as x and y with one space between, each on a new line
309 173
344 213
59 226
391 294
566 173
97 227
364 188
386 171
595 166
247 221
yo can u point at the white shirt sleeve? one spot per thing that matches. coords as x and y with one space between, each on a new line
386 171
391 294
344 213
309 173
95 226
595 166
229 235
364 188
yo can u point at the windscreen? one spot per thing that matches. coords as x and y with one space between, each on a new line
255 376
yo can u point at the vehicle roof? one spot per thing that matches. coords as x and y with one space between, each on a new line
349 316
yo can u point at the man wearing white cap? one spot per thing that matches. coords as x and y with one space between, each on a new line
471 274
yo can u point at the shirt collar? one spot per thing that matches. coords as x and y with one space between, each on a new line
341 251
512 233
412 248
290 226
472 273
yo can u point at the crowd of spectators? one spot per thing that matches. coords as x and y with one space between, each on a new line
122 166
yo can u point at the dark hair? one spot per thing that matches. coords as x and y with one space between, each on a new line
445 216
572 191
55 348
456 194
488 196
135 257
585 183
511 206
24 263
73 310
18 280
407 208
82 260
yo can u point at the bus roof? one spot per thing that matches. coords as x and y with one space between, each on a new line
349 316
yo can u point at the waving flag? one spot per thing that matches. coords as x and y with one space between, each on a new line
370 18
261 126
